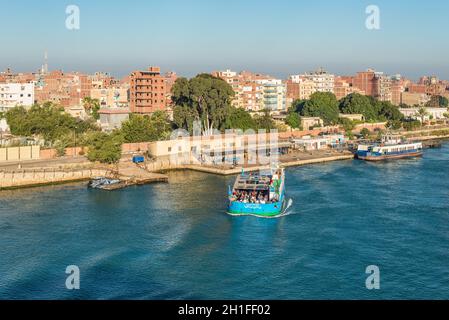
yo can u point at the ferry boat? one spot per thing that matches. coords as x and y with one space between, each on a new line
391 147
258 194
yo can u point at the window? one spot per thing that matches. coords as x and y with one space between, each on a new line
169 149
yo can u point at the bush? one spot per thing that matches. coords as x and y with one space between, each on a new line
105 148
365 133
411 125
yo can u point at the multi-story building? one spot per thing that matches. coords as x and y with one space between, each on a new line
382 87
324 81
147 91
15 94
253 91
365 81
414 98
397 88
274 94
115 97
250 96
170 79
67 90
374 84
299 88
344 87
238 84
102 80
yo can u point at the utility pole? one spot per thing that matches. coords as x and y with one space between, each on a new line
74 151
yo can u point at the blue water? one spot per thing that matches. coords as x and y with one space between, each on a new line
175 241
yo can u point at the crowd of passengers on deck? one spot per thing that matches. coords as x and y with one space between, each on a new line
252 197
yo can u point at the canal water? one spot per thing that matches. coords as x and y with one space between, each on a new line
175 241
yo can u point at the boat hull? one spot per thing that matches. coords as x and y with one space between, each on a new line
371 157
255 209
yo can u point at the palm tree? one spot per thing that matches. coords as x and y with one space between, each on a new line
422 113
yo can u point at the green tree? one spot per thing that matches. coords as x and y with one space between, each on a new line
437 101
444 102
146 128
388 111
365 133
105 148
240 119
321 104
411 125
293 120
204 98
265 121
348 125
356 103
48 121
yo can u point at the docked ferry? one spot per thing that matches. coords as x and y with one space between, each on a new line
391 147
258 194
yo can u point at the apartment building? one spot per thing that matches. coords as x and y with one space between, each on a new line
147 91
365 81
397 88
115 97
254 91
274 94
15 94
324 81
382 87
374 84
299 88
344 87
414 98
65 89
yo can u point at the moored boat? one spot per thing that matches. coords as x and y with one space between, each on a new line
102 183
258 194
391 147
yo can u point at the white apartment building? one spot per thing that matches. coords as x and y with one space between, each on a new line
16 94
323 81
274 94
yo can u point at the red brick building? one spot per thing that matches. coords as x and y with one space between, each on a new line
365 81
147 91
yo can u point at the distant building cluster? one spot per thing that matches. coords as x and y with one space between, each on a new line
146 91
252 89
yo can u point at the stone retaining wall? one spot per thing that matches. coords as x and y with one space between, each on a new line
30 177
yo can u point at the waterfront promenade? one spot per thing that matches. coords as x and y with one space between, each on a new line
21 174
55 172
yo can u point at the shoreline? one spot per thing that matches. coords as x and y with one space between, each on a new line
18 178
197 168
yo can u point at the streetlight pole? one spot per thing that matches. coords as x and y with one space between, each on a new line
74 150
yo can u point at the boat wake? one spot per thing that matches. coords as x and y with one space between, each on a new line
286 211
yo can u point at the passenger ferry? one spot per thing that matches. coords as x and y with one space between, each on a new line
258 194
391 147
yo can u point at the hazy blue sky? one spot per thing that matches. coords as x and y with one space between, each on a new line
279 37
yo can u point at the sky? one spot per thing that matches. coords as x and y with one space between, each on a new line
277 37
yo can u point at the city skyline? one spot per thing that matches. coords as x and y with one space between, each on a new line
279 40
